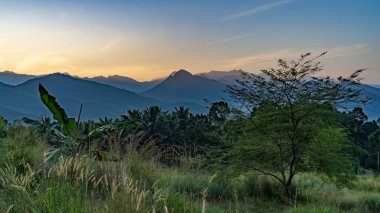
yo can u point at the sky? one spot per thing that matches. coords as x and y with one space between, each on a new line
151 39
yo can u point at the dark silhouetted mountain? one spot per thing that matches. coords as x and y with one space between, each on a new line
127 83
12 103
99 100
182 86
12 78
372 109
374 85
118 81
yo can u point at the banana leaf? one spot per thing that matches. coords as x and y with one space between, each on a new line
98 132
59 114
53 156
30 121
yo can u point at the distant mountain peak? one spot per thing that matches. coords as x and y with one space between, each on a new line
120 77
182 86
9 72
58 74
180 73
12 78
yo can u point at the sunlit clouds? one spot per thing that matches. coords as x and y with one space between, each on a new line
259 59
258 9
147 40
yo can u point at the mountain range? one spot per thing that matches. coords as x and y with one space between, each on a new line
185 87
126 83
12 78
114 95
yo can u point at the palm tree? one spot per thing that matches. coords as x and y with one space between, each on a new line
153 124
179 123
133 115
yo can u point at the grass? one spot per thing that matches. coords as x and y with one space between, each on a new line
140 184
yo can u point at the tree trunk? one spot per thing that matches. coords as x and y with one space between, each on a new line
289 194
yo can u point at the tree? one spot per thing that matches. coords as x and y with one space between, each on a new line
219 111
373 151
153 125
288 106
3 123
360 131
179 121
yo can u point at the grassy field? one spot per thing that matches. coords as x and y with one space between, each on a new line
140 184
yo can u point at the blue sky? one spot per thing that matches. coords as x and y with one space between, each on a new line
150 39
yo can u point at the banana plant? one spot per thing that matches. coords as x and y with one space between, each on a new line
68 124
67 133
44 126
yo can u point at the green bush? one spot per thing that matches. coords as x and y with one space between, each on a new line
61 196
22 146
191 185
366 183
347 205
372 202
221 189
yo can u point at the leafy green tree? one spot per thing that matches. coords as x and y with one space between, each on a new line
373 151
354 122
288 107
179 122
360 130
134 115
219 111
153 124
330 151
3 123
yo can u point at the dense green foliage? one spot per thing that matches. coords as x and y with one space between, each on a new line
289 110
288 151
139 183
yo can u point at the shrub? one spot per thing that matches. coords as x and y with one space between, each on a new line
372 202
22 146
221 189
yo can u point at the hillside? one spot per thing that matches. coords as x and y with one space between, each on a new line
13 103
226 77
372 109
101 97
127 83
183 86
99 100
13 78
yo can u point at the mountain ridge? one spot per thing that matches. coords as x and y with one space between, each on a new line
184 86
99 100
180 88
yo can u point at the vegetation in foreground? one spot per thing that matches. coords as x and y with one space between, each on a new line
139 184
289 150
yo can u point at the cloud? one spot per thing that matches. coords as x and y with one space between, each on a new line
259 9
259 58
346 51
45 62
232 38
108 45
334 52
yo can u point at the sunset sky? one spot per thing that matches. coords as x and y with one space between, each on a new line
150 39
